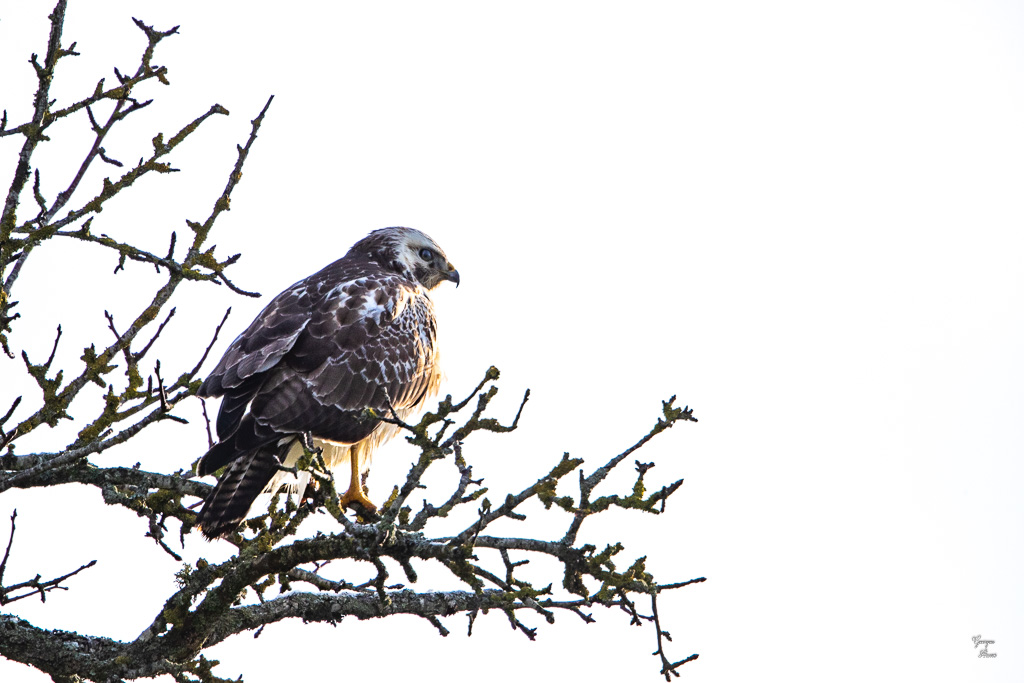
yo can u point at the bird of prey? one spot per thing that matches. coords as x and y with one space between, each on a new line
359 334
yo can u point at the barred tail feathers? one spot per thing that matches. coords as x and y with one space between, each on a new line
243 481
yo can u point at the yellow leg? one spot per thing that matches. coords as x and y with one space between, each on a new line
355 488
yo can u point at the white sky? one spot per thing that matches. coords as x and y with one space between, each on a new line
803 218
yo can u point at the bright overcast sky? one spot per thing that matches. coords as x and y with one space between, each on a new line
804 218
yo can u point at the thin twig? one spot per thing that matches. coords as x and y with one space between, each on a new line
7 553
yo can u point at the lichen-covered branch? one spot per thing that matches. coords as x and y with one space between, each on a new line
33 133
18 241
206 608
58 395
277 573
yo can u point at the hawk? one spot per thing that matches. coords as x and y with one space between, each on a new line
359 334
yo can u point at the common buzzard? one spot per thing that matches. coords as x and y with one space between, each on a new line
359 334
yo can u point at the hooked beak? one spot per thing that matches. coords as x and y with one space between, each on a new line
452 275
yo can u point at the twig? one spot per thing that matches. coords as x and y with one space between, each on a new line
234 288
216 333
7 553
436 623
4 437
206 419
156 532
7 415
136 357
161 392
668 669
37 586
40 587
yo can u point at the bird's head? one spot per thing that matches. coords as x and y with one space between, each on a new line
409 252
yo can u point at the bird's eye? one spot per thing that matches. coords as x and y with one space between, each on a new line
426 254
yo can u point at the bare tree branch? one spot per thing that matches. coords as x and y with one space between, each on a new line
34 586
277 573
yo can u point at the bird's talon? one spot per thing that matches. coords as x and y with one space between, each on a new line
358 501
